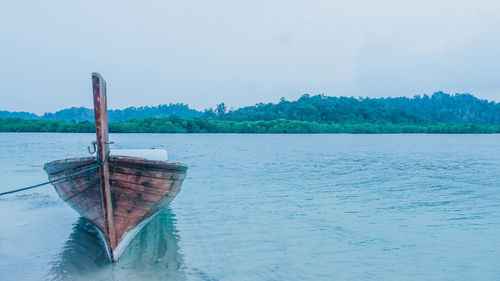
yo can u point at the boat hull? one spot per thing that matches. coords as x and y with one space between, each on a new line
140 188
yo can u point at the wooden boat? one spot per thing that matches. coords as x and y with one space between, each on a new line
122 193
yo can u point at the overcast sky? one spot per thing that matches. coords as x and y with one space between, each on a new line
243 52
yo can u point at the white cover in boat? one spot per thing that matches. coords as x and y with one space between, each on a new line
150 154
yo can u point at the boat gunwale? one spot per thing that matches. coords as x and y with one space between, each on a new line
118 159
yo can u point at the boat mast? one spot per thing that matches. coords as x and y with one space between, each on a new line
101 127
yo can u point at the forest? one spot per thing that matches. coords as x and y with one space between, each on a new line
114 115
175 124
438 108
439 113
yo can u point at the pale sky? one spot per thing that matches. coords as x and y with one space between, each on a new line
243 52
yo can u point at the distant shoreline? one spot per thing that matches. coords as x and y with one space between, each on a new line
176 124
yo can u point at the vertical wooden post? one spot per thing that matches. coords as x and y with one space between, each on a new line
101 126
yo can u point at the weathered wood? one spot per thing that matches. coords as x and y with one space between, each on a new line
69 166
76 184
88 204
149 183
139 188
150 164
171 175
101 126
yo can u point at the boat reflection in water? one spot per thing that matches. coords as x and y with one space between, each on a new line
152 255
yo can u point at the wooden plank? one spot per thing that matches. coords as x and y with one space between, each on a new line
83 190
101 125
73 185
89 204
69 189
149 164
138 188
66 165
169 175
72 176
152 183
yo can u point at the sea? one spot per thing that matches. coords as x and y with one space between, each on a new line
271 207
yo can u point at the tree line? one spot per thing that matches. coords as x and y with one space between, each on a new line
420 109
175 124
439 113
438 108
114 115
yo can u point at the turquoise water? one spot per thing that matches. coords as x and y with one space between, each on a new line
272 207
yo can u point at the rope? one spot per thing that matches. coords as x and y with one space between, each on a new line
99 164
